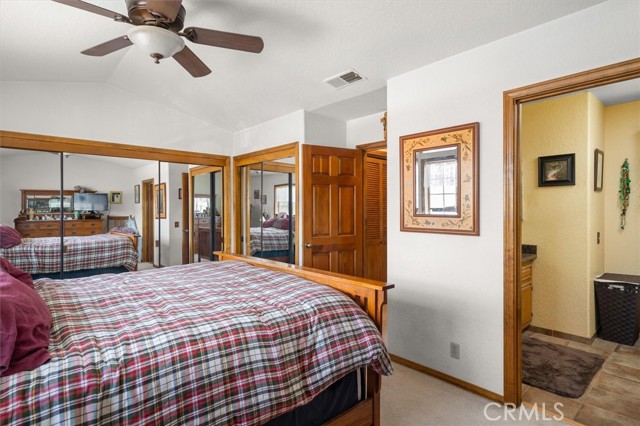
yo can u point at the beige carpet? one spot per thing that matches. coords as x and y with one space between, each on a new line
410 398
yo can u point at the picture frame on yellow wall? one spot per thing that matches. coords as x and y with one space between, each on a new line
598 170
557 170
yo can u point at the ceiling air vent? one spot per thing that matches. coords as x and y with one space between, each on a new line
344 79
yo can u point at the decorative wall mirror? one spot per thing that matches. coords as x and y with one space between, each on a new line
440 181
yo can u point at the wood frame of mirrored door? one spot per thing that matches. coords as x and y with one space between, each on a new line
263 156
34 142
512 100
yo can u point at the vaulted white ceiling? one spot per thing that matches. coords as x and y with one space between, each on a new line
306 41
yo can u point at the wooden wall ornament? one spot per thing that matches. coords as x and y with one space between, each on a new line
459 213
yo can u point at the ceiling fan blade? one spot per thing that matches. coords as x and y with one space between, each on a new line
223 39
95 9
191 63
167 8
108 47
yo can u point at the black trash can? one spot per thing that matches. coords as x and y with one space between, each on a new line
618 307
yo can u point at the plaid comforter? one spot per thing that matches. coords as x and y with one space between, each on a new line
207 343
42 255
272 239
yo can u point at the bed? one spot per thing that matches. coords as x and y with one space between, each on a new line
231 342
270 243
83 256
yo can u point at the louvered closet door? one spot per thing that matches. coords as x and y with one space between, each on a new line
375 242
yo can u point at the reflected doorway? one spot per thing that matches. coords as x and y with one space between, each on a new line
148 222
206 207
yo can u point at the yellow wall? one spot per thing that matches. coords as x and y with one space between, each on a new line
622 140
595 210
562 220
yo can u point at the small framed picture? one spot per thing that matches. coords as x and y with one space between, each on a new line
557 170
598 170
136 194
256 194
115 197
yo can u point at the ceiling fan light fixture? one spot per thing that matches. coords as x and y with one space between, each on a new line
156 42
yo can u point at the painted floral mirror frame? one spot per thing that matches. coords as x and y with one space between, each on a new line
459 215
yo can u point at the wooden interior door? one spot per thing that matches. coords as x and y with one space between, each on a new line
375 218
332 193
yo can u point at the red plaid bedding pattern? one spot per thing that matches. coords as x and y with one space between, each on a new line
42 255
212 343
272 239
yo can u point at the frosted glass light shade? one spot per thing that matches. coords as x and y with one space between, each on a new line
156 42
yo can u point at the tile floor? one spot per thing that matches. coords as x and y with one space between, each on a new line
612 398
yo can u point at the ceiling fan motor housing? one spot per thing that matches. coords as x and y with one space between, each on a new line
140 15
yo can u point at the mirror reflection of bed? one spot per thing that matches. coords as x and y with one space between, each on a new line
270 207
100 175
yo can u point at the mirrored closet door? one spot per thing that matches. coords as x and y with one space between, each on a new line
266 203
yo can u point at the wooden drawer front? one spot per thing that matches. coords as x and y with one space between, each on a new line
26 226
70 224
525 275
93 224
49 225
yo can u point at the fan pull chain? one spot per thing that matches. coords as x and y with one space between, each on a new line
623 193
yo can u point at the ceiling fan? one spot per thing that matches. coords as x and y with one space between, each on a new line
158 31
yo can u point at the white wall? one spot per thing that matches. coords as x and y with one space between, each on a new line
622 140
325 131
172 235
365 130
101 112
279 131
450 288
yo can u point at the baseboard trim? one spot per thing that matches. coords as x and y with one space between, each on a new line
449 379
562 335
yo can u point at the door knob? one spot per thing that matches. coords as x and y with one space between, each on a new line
308 245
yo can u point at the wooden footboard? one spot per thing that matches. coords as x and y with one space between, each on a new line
134 241
371 296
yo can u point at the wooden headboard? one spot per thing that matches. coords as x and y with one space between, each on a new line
113 221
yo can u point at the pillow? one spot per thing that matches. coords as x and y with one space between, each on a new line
124 230
19 274
281 223
9 237
269 223
25 326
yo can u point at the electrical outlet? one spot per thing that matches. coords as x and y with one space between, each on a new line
455 350
176 224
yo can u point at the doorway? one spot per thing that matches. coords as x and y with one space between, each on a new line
148 221
513 100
